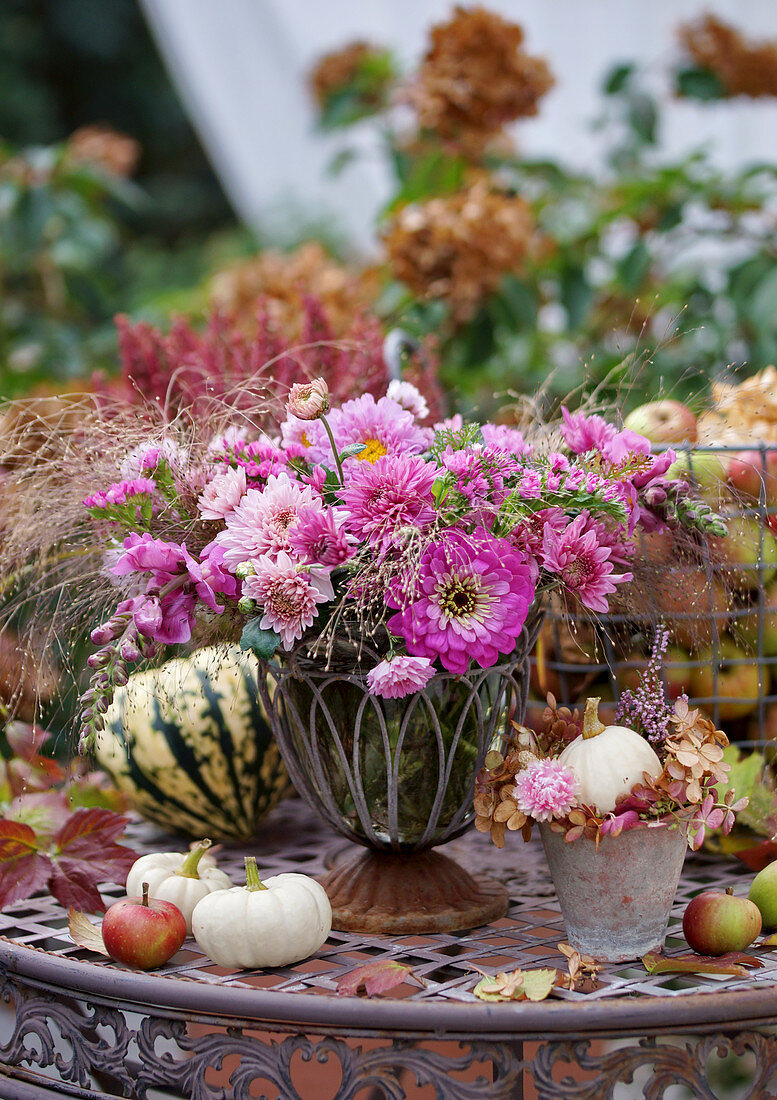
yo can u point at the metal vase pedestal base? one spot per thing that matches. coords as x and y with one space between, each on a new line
616 900
408 894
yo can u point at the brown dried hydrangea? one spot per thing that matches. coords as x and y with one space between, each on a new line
279 282
105 147
495 807
743 67
337 70
475 78
459 246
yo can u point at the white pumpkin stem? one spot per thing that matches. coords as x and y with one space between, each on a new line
592 724
253 882
189 867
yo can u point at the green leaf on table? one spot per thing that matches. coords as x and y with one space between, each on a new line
84 933
617 79
261 642
518 985
733 962
699 84
375 977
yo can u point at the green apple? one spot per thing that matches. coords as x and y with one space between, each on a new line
663 422
749 552
763 893
715 922
706 471
738 682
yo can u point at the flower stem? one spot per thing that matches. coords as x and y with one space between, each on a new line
328 430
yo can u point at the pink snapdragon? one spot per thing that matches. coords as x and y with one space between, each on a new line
400 676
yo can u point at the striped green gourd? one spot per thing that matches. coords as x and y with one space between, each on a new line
190 746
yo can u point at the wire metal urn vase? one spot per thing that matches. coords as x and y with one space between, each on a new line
397 777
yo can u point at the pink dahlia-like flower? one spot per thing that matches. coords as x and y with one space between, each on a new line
469 601
400 676
546 790
584 566
383 427
261 521
222 494
410 398
505 438
319 538
528 535
393 493
288 594
308 400
586 433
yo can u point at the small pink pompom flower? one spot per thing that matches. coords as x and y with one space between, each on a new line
222 494
546 790
308 400
400 676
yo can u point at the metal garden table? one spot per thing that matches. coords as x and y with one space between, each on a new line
77 1025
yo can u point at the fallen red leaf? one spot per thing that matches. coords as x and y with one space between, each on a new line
733 962
759 856
376 977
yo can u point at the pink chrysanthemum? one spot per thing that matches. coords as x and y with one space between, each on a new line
393 493
288 594
546 790
586 433
469 601
319 538
261 521
584 566
400 676
222 494
383 427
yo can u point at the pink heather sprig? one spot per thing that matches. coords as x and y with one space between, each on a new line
546 790
646 709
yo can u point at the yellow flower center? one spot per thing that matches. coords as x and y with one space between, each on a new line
304 439
373 450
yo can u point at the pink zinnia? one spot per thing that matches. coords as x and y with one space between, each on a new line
393 493
400 676
222 494
469 601
546 790
288 594
584 566
261 521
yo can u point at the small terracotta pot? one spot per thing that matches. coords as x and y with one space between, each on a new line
616 899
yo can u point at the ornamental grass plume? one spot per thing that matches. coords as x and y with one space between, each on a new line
743 67
457 247
475 78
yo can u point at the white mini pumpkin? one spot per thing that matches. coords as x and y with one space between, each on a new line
273 923
608 760
184 878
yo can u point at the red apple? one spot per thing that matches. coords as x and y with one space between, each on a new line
691 604
715 922
663 422
678 672
749 470
143 932
738 682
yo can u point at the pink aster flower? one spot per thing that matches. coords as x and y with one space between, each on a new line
400 676
469 601
410 398
288 594
120 492
393 493
546 790
222 494
261 521
383 427
308 400
319 538
584 566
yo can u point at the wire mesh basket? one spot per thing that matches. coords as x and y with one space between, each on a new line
719 603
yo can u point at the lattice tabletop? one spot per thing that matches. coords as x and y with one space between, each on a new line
39 959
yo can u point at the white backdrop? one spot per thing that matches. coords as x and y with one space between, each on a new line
240 67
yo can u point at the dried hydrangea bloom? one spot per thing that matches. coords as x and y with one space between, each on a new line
743 67
104 147
476 78
358 63
458 247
